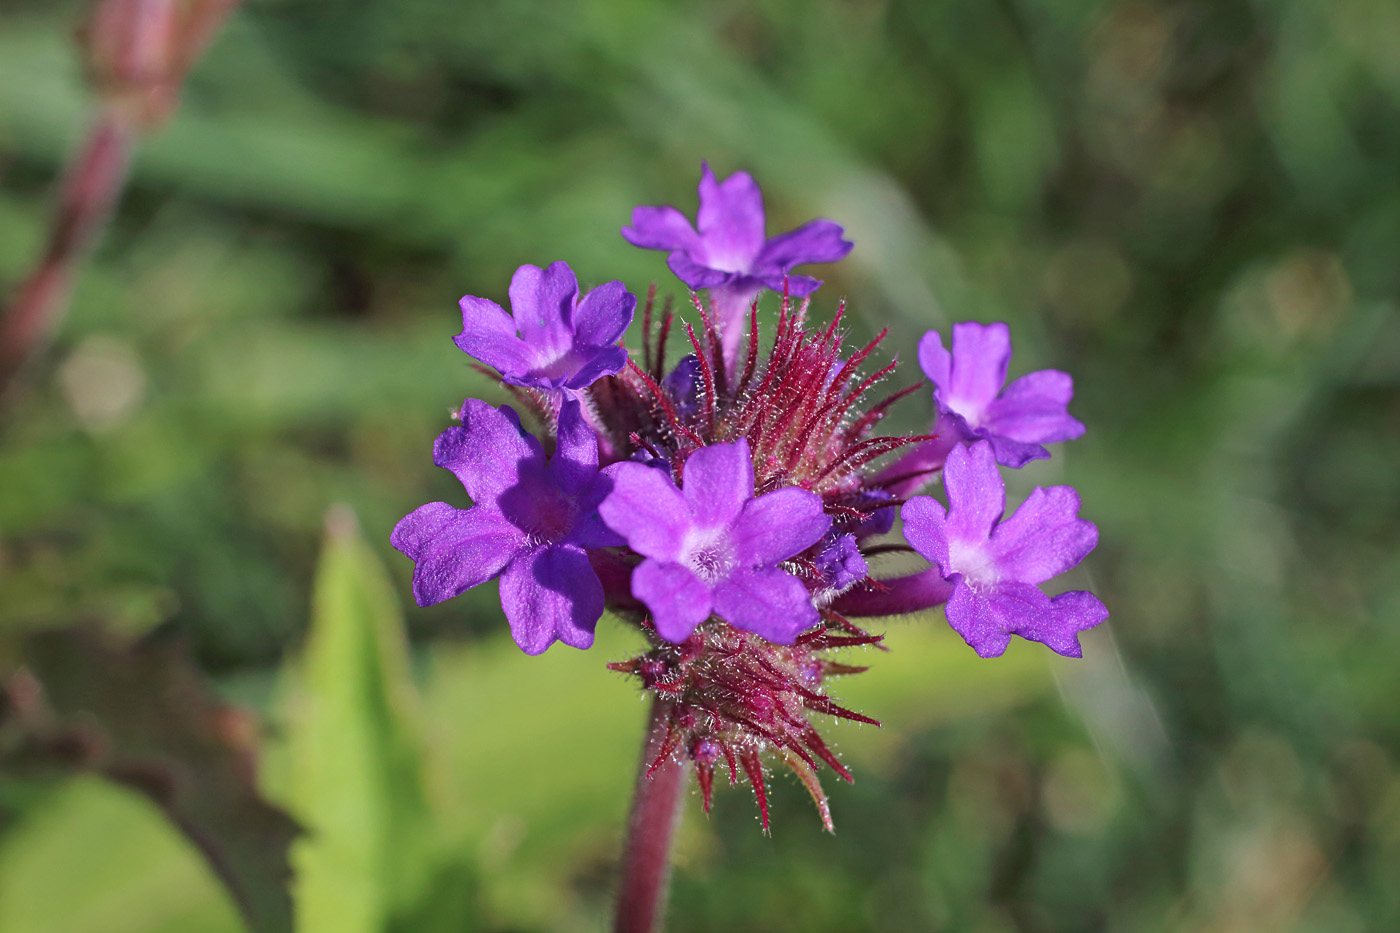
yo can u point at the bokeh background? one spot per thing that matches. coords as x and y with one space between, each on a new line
1192 206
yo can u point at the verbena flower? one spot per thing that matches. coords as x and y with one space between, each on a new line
735 519
553 339
730 253
712 547
972 405
530 525
995 566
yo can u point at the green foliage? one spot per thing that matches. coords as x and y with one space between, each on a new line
374 857
1190 206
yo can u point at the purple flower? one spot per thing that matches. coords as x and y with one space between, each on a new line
972 404
731 254
995 566
530 524
840 564
713 547
556 340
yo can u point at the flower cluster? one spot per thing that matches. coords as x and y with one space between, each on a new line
729 503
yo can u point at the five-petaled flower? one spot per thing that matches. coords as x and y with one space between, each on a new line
972 405
553 339
530 525
712 546
995 566
730 253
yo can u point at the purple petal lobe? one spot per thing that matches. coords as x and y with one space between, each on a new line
603 314
779 525
798 286
976 493
1009 453
814 241
980 357
551 593
1033 409
488 335
1073 612
647 509
660 228
454 549
1044 538
935 361
926 530
718 480
575 463
841 564
767 602
677 600
696 274
606 361
985 619
730 220
542 301
489 452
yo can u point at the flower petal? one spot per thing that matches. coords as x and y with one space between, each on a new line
1009 453
767 602
935 361
696 274
730 220
602 361
797 286
551 593
647 509
1071 613
986 618
489 453
1033 409
677 600
488 335
814 241
660 228
976 493
717 481
926 530
542 301
778 525
575 462
454 549
980 357
603 314
1044 538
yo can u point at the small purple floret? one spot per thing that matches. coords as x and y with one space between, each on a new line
530 524
972 405
840 564
712 547
553 339
730 253
996 566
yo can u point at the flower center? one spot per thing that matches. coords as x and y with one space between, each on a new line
971 561
709 556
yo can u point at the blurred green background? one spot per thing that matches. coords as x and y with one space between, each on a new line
1192 206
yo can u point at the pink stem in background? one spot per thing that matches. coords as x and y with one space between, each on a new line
646 863
136 53
899 596
90 191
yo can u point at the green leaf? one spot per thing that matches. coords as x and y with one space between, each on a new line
374 857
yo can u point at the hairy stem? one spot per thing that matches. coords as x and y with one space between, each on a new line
899 596
646 863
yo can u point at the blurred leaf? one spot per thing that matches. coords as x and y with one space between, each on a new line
93 856
145 717
375 858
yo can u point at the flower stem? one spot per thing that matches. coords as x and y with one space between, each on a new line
646 863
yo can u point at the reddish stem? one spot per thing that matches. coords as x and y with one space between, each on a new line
94 181
922 590
646 863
